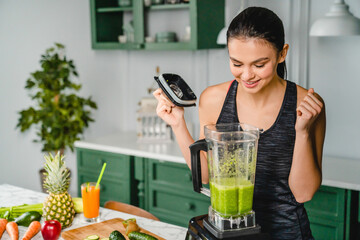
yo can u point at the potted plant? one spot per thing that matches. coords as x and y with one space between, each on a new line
59 115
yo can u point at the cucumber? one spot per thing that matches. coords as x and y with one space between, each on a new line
116 235
140 236
92 237
104 239
26 218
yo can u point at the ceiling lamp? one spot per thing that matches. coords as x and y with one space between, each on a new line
221 39
338 22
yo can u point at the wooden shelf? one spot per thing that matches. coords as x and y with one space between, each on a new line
169 6
117 45
114 9
168 46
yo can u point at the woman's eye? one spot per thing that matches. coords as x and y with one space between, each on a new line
237 65
259 66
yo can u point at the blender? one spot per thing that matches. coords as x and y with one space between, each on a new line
231 156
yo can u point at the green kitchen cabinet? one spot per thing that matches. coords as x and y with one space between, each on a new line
170 194
108 20
118 179
332 213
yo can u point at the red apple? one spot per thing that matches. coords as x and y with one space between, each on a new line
51 230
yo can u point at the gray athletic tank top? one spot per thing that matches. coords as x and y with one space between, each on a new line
276 209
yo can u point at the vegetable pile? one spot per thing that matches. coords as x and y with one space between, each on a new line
132 231
10 213
29 215
13 229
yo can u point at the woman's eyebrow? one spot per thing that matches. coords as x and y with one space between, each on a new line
256 61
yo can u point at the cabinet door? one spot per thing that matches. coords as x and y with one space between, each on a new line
110 189
118 179
170 193
326 213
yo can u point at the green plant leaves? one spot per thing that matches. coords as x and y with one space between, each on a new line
58 114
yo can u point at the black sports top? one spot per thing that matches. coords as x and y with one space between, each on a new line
276 209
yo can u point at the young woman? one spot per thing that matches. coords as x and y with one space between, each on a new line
288 170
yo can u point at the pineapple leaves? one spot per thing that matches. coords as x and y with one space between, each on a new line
58 114
57 179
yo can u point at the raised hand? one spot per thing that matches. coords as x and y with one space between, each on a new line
166 110
308 111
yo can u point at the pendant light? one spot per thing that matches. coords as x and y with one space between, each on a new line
338 22
221 39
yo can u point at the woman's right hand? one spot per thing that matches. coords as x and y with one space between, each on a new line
167 111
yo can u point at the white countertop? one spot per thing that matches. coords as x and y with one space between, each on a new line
13 196
337 171
126 143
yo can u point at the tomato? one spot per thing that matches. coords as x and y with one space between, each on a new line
51 230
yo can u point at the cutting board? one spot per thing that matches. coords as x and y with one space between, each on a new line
102 229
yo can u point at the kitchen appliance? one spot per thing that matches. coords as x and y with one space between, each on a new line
176 89
150 127
231 155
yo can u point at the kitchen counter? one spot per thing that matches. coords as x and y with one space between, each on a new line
12 196
126 143
337 171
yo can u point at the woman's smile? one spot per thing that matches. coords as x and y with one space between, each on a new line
250 84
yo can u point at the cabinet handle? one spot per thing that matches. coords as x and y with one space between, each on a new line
189 206
100 162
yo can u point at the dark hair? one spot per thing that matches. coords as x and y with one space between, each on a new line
261 23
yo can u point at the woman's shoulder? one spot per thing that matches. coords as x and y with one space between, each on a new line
212 99
215 92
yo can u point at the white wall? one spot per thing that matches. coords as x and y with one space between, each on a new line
118 79
335 73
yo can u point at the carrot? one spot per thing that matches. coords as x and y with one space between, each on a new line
3 223
13 230
33 229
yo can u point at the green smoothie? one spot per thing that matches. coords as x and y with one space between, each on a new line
231 196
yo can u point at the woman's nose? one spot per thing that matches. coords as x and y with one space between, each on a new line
246 74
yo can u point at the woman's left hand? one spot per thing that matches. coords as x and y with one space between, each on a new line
308 111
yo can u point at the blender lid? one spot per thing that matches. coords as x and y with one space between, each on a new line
176 89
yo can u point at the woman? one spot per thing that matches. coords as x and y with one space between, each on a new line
288 171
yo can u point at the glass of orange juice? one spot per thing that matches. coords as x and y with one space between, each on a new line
91 201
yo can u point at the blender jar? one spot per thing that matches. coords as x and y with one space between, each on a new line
231 155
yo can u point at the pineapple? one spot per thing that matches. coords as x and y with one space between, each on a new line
58 205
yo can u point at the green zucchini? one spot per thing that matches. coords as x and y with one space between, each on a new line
26 218
140 236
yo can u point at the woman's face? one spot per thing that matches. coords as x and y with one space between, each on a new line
253 62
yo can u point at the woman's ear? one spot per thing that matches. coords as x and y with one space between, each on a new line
283 53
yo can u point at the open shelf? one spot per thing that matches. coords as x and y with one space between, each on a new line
113 9
205 19
169 6
168 46
117 45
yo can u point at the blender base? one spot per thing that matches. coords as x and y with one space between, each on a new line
197 230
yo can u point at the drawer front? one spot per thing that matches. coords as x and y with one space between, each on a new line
170 174
328 203
111 189
176 207
116 164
